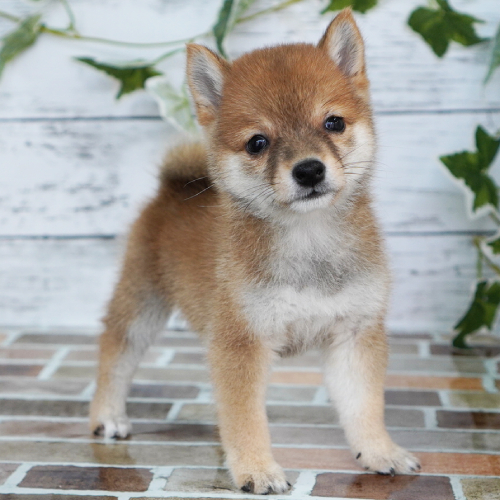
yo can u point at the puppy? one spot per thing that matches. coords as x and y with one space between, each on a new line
264 237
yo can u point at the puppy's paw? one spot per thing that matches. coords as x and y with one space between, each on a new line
389 460
108 425
263 481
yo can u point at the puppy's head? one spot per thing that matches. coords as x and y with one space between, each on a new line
288 127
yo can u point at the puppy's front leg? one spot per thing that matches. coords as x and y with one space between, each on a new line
355 373
239 367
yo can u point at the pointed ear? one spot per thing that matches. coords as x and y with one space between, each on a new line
205 74
344 44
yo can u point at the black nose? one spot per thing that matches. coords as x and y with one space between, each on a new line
309 173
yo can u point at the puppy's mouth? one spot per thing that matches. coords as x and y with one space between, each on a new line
313 194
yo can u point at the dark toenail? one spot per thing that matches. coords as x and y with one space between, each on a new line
419 466
358 455
289 485
269 490
248 487
98 430
392 471
380 473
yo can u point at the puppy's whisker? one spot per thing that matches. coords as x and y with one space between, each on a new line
202 191
194 180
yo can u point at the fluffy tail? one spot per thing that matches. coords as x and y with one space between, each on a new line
185 162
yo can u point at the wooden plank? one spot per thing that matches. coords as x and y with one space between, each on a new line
91 177
405 74
68 282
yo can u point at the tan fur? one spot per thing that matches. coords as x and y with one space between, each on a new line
254 269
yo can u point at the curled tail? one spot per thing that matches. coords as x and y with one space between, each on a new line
186 162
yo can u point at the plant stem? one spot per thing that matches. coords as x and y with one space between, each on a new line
276 8
71 16
76 36
10 17
495 217
485 258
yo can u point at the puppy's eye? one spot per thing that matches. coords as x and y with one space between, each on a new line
335 124
257 144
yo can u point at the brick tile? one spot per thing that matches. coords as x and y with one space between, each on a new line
475 400
425 382
376 487
303 415
6 470
114 454
403 348
450 365
409 336
87 478
487 351
3 336
172 375
77 408
206 481
190 358
322 436
297 378
22 353
468 419
41 387
297 394
447 441
481 488
20 370
412 398
180 341
14 496
91 354
56 338
164 391
174 432
474 464
141 431
72 372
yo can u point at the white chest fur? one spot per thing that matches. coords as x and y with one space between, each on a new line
317 280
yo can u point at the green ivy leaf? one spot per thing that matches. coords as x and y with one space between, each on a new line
495 55
229 14
132 75
20 39
495 246
481 312
472 169
440 26
358 5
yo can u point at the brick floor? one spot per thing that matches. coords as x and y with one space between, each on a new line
441 403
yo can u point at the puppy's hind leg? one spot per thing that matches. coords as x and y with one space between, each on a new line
132 323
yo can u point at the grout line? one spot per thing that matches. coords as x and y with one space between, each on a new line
424 350
321 396
304 484
17 476
174 411
53 364
457 488
489 378
88 392
430 419
160 478
165 358
204 396
11 338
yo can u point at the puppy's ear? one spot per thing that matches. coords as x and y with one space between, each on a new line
344 44
205 74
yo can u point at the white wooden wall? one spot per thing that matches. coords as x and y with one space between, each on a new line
75 165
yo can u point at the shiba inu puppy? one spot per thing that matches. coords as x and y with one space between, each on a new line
265 238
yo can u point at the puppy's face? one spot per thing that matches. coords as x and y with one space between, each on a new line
288 127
